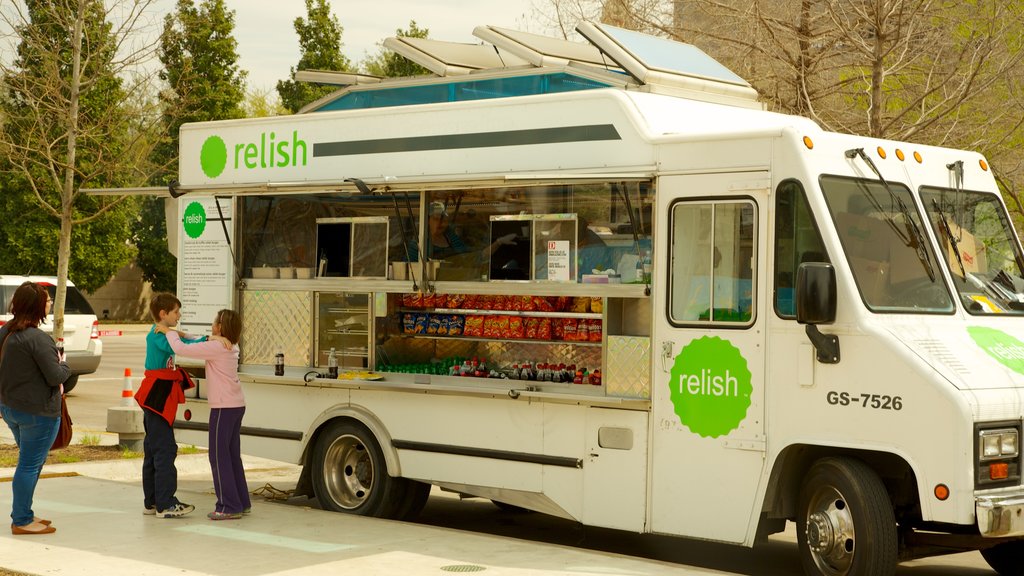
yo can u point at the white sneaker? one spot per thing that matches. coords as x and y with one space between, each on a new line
150 511
176 511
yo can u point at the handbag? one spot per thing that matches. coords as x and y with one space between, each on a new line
63 438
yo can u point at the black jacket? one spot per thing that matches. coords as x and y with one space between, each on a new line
30 374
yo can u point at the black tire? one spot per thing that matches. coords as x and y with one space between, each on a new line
845 522
350 474
1006 559
415 498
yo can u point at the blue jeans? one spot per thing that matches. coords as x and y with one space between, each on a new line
34 436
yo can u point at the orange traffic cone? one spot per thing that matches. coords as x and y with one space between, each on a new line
127 393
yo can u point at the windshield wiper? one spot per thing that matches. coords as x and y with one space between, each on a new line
912 237
950 236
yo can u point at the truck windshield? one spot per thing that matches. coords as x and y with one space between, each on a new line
883 237
979 247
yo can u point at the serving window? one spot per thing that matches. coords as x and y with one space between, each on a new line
593 232
562 233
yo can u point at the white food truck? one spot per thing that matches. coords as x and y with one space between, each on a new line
600 281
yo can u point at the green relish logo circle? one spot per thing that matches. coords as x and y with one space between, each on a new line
194 220
213 157
710 386
1006 349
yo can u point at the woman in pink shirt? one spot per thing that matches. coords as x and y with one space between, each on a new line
227 406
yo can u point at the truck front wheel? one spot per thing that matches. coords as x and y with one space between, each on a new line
845 522
1007 559
350 475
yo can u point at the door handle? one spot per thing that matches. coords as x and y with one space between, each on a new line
666 354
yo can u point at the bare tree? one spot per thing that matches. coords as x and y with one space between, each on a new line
940 72
65 123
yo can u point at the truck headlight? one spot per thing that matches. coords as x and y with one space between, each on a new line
997 444
998 458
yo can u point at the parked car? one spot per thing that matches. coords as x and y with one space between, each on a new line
82 343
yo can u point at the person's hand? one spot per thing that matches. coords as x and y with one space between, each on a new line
160 328
227 343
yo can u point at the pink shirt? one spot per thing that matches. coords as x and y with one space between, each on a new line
223 390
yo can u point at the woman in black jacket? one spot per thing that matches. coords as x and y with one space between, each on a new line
31 375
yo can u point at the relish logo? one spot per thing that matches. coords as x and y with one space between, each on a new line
710 386
1006 349
267 152
213 156
194 220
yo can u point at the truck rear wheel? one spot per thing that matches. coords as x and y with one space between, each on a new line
1006 559
350 475
845 522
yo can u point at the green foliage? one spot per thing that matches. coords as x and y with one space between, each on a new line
320 47
149 234
36 106
28 245
200 59
262 103
389 64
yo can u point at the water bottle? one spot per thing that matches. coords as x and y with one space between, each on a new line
332 365
279 364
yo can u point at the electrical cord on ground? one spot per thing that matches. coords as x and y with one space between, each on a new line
269 492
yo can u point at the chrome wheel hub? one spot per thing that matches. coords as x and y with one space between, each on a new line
348 472
830 532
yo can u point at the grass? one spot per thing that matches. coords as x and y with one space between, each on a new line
90 440
82 452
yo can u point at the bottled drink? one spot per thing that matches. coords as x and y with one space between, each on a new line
279 364
60 349
332 364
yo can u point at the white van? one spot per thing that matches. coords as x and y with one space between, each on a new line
82 342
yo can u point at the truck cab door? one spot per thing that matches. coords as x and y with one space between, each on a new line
709 355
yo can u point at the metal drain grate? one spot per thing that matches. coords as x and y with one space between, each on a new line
463 568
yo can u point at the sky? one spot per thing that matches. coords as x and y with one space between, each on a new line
268 46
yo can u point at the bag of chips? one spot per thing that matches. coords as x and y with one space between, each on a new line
516 327
544 330
474 326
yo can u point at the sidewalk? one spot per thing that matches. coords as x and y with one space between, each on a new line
97 510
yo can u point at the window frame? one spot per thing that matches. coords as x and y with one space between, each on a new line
740 199
775 253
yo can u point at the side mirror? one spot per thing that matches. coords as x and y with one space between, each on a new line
816 304
815 293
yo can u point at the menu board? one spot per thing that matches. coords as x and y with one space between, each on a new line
206 269
558 261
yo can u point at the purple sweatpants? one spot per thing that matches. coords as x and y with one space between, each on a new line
226 460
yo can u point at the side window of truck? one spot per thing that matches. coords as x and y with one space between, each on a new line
797 240
712 262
